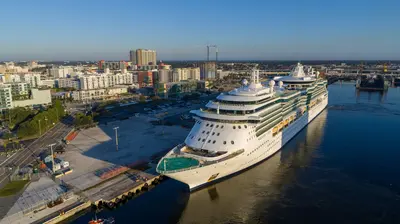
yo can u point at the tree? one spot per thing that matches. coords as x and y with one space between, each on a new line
82 120
142 99
155 98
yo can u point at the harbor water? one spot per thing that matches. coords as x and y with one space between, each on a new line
342 168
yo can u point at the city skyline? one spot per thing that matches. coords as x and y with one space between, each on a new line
179 30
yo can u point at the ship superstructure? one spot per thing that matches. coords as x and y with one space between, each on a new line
245 126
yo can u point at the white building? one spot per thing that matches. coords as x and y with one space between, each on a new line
180 74
20 88
13 78
61 72
99 81
48 82
34 79
38 97
91 94
68 83
9 93
165 75
5 97
194 73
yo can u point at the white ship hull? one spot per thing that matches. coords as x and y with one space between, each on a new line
257 150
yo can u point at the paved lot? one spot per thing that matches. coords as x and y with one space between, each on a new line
94 148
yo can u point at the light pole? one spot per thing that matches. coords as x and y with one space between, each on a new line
40 129
116 137
57 113
45 120
52 156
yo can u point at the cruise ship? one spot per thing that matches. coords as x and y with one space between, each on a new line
245 126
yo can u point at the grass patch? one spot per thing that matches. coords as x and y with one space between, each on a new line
12 188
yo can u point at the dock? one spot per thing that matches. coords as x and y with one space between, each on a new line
108 194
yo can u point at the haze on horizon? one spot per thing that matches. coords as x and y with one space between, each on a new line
180 30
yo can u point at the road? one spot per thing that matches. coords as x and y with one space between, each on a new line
33 149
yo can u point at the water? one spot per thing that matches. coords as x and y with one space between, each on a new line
343 168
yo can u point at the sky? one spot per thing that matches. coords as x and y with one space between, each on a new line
181 29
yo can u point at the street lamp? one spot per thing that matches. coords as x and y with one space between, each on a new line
45 119
40 129
57 113
116 137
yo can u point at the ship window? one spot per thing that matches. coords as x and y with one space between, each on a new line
222 126
245 126
203 132
217 134
211 126
208 132
192 137
239 127
209 141
232 142
224 142
213 133
234 127
214 142
217 126
198 139
207 125
204 140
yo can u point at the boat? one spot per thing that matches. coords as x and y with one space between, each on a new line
374 83
102 221
245 126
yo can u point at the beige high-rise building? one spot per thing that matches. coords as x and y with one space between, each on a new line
194 73
146 57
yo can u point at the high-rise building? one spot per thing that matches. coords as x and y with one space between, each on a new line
34 79
5 97
132 57
145 79
194 73
145 57
101 64
114 65
61 72
208 70
164 75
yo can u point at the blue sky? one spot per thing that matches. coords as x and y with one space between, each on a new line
179 30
